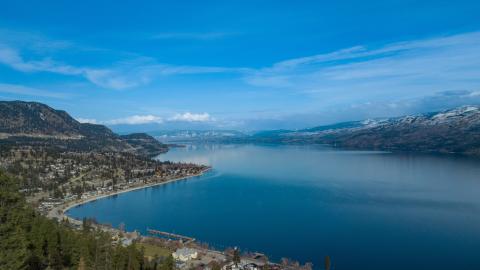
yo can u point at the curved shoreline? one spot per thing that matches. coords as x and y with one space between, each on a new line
59 212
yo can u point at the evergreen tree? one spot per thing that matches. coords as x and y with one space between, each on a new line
328 263
168 264
31 241
236 256
82 265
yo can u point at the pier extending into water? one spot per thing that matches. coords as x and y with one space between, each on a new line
182 238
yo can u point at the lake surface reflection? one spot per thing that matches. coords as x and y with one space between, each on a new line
367 210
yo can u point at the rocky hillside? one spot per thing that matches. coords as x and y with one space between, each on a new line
36 124
36 119
144 144
451 131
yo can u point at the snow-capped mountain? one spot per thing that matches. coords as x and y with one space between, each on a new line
451 131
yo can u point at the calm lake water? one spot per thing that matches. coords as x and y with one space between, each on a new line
367 210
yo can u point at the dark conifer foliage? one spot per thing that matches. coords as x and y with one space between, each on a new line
31 241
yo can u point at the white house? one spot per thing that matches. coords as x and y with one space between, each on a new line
185 254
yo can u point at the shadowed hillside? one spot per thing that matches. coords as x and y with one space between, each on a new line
36 124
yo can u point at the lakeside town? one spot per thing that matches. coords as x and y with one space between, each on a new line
185 251
50 163
57 181
50 176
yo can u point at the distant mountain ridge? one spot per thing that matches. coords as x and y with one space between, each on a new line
34 123
450 131
341 125
195 135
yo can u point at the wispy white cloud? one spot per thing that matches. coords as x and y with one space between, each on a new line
129 120
107 78
11 57
122 75
364 54
87 120
397 70
392 71
35 42
29 91
191 117
135 120
151 119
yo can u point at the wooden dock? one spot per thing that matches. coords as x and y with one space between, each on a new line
182 238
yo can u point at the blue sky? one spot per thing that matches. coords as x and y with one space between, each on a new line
245 65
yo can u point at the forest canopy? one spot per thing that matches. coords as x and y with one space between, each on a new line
31 241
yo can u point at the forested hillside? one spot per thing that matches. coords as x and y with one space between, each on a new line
31 241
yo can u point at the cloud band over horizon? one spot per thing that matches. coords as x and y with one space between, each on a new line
320 85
